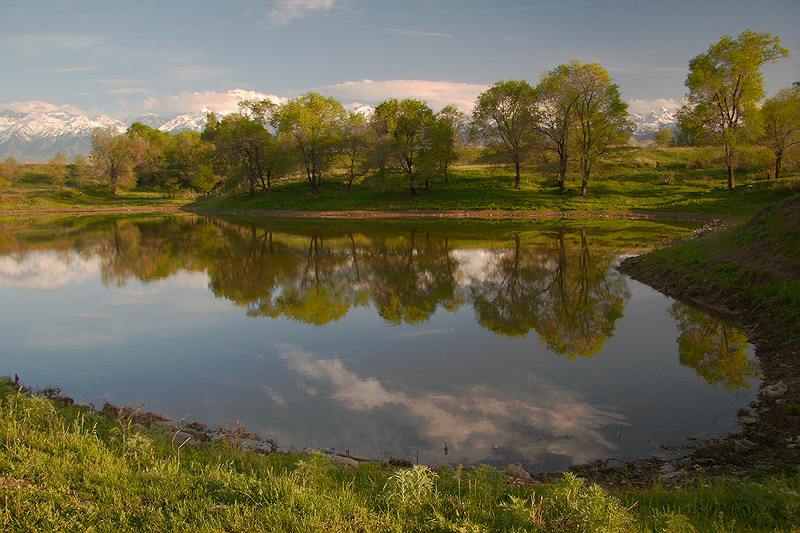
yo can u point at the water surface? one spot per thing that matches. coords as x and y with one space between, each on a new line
501 342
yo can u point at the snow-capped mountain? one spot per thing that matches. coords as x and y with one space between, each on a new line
648 123
185 122
37 131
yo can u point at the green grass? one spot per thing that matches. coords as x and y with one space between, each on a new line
757 264
629 182
36 189
67 468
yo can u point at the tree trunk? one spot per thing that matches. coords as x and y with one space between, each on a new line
516 174
729 166
731 179
411 187
584 187
562 172
778 158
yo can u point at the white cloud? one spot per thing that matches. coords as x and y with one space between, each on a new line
196 101
115 82
416 33
129 90
38 106
641 106
285 11
68 70
48 41
436 93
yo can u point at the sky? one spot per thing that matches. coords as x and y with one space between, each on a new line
129 57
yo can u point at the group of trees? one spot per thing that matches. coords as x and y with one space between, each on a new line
568 121
723 102
576 109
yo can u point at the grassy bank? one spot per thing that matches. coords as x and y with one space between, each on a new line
632 180
679 180
41 188
68 468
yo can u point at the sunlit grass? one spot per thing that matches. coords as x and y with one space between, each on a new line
69 469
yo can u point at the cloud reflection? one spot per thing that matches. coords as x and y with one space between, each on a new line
550 421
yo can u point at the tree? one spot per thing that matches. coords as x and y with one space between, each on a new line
154 148
601 116
664 137
245 150
113 155
356 145
441 138
311 125
404 123
9 169
79 170
505 115
781 120
556 99
57 168
725 85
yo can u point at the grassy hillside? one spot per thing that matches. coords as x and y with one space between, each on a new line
633 179
67 468
685 180
46 187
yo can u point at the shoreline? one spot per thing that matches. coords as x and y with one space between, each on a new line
373 214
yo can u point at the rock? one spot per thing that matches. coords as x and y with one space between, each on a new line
776 390
666 468
343 461
748 420
399 462
743 445
672 475
516 470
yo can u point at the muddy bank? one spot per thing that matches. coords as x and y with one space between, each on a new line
459 214
90 210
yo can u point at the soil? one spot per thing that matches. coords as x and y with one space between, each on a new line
476 214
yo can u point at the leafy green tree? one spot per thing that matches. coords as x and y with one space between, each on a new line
154 148
506 116
79 171
114 156
601 116
356 145
57 168
781 121
441 138
725 85
311 125
245 150
403 123
556 99
9 169
664 137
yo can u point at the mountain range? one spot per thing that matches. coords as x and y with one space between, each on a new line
37 131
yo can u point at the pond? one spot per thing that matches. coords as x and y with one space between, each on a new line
455 342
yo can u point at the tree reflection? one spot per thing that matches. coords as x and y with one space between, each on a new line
715 350
568 295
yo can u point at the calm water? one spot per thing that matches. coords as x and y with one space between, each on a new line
509 341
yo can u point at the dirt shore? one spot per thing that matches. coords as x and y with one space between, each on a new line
91 210
485 214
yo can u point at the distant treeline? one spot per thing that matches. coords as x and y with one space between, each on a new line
567 122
